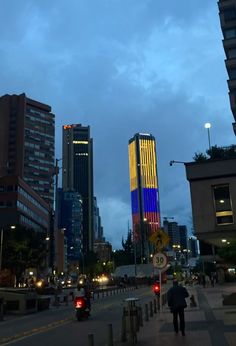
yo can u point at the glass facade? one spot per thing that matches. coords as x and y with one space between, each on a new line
77 167
70 219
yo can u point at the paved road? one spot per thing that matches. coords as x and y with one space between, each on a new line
58 326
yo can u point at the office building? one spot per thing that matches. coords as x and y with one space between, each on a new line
183 235
213 196
98 229
227 12
192 246
27 135
103 251
70 218
21 205
77 165
144 192
172 229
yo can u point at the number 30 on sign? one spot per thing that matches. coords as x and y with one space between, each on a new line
160 260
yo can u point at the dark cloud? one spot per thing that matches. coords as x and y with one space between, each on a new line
123 67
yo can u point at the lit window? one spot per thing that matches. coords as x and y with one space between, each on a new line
223 207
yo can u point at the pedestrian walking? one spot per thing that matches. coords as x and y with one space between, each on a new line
176 301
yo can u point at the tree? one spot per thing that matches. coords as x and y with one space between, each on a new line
200 157
23 248
216 153
228 253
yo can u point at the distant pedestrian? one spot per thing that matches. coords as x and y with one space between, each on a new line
176 301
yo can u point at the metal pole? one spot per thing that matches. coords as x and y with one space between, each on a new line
160 300
110 335
1 245
209 141
135 264
90 340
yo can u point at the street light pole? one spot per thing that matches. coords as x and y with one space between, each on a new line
208 126
135 263
1 245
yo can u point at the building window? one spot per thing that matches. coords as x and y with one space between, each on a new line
232 73
231 53
229 14
223 207
229 33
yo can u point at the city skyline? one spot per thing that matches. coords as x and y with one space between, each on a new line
123 69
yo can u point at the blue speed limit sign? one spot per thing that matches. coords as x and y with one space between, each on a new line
160 260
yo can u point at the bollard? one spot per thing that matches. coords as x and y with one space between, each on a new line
155 306
90 340
110 335
57 300
123 330
146 313
158 303
66 300
151 309
140 316
1 309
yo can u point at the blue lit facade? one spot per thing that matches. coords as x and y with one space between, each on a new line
70 219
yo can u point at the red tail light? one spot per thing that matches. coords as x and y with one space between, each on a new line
79 303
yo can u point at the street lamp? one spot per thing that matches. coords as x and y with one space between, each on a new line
1 245
173 161
208 126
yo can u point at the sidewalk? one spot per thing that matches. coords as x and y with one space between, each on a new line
209 324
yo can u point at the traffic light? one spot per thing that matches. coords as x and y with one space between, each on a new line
156 288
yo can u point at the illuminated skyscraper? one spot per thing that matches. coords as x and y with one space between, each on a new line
78 174
144 191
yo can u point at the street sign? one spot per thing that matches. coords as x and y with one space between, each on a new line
160 260
160 239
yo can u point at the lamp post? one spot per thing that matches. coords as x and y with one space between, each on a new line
1 244
208 126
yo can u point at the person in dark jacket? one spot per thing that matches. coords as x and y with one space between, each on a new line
176 301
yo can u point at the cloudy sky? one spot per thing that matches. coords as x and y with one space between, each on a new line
122 67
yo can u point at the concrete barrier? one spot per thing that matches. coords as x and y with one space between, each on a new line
229 299
19 302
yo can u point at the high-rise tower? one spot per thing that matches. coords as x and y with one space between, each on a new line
77 176
27 136
144 191
227 13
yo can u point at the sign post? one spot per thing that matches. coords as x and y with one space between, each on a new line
160 239
160 261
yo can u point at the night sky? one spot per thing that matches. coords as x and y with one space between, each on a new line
122 67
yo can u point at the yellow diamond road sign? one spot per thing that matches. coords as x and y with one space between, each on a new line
160 239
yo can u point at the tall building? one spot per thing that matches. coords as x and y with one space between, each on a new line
70 218
144 191
172 229
77 164
21 205
227 9
193 248
98 229
183 235
27 136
